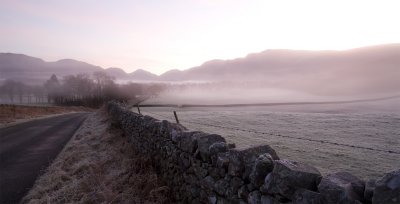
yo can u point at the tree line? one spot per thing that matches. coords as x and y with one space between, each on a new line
77 90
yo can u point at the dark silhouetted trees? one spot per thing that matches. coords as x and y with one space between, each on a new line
52 87
78 90
82 90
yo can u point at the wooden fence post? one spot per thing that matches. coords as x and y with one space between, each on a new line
176 117
138 109
14 110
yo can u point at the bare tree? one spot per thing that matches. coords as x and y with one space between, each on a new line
9 89
52 87
20 89
77 87
103 81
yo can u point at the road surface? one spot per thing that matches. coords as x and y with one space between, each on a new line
26 149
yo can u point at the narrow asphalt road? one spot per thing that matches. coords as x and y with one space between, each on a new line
28 148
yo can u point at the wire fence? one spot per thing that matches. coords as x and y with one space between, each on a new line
277 134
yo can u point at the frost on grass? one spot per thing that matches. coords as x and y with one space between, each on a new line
98 165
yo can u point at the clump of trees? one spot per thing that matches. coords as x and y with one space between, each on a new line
78 90
18 92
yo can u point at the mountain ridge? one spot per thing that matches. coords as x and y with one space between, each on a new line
21 67
284 56
374 68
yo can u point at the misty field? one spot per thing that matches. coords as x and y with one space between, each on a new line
341 124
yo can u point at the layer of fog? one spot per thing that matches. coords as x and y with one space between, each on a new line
236 93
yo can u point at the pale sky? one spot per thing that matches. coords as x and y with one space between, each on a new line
178 34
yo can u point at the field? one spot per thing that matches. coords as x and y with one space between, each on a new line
12 113
359 125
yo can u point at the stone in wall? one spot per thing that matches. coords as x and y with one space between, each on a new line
204 142
235 165
221 186
218 147
241 161
254 197
263 165
387 189
187 140
268 199
341 187
369 190
250 155
289 176
303 196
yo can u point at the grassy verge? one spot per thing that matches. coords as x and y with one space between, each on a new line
98 165
13 113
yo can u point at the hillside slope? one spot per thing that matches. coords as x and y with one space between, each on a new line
368 69
34 70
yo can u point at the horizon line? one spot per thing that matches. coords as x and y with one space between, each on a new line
271 49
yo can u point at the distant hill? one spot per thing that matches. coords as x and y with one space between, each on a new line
367 69
373 69
138 75
142 75
34 70
117 73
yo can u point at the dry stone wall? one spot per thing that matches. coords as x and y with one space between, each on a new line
202 168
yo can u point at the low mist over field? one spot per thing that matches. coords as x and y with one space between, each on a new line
269 76
290 76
